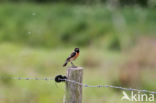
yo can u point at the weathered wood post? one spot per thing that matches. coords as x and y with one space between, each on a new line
74 91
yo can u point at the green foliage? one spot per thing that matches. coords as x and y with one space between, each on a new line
100 67
121 2
23 26
54 25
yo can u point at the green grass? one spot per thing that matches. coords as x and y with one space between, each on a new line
37 46
82 25
20 61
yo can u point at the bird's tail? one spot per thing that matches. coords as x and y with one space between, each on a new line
65 63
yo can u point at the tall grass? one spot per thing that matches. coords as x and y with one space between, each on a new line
51 25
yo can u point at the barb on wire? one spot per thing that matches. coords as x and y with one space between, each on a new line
111 86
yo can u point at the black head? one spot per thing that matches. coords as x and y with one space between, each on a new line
77 50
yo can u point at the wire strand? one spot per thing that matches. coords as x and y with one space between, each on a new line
26 78
82 84
111 86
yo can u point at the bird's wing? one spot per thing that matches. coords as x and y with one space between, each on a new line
72 55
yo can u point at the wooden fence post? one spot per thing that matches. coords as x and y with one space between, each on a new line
74 91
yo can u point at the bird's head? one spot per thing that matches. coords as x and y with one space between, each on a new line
77 50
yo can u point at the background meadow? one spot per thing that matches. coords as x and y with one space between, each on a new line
117 47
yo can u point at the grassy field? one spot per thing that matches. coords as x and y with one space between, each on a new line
35 40
53 25
19 61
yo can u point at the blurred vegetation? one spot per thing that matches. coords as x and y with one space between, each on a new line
121 2
36 38
100 67
52 25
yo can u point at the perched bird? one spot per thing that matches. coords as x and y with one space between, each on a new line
72 57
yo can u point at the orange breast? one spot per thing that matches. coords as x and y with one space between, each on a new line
77 54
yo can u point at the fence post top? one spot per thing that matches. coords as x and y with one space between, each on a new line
75 68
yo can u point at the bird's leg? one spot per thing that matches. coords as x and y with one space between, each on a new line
73 66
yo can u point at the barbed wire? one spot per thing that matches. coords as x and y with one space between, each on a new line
82 84
111 86
26 78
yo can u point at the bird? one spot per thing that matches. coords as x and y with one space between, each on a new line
72 57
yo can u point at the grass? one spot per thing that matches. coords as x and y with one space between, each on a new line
16 60
51 25
36 39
